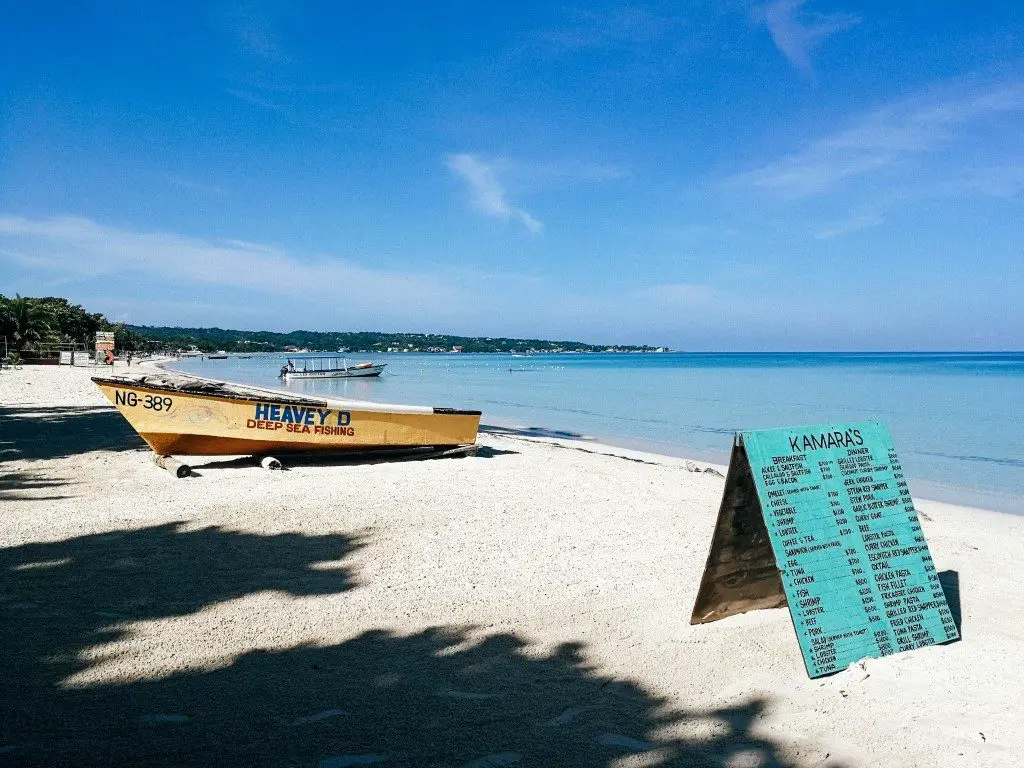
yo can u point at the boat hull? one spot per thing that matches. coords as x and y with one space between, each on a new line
351 373
173 422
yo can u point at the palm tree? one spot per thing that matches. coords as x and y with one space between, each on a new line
23 321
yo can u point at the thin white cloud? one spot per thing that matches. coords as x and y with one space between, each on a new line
679 294
1004 181
487 193
210 190
569 171
163 278
253 99
880 139
529 222
207 282
797 34
850 225
585 29
70 246
137 311
255 32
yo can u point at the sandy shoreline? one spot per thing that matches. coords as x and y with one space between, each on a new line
528 606
963 492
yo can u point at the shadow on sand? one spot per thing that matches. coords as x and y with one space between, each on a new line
60 599
447 696
360 458
15 486
950 582
33 432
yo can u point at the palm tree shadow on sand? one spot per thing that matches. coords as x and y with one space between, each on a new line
51 432
445 696
26 485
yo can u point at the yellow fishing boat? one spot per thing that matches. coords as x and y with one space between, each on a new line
179 415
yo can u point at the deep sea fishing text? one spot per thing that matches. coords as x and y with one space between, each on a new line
301 419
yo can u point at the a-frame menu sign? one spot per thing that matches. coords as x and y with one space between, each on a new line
820 518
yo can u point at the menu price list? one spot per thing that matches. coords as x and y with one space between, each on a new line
855 565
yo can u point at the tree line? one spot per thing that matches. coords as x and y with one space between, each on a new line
210 339
38 327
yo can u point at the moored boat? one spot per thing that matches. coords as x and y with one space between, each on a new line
329 368
179 415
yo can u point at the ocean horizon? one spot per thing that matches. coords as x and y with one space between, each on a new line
955 416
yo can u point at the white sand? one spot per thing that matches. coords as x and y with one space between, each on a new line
289 618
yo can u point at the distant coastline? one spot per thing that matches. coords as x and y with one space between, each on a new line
255 342
40 328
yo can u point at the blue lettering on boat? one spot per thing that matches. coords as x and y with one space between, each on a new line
298 414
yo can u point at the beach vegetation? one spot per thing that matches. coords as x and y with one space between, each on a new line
211 339
24 322
72 323
127 340
31 323
27 321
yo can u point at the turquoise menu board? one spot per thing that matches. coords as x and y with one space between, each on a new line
853 561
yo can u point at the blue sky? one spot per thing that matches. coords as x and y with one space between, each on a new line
711 175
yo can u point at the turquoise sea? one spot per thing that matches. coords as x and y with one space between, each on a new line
957 418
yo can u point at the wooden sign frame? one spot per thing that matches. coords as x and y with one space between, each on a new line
820 519
740 574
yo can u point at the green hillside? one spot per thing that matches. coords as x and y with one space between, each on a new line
210 339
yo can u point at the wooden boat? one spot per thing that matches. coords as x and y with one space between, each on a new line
182 415
328 368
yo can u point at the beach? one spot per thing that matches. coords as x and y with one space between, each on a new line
953 416
527 606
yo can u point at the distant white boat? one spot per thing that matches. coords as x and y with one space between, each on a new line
329 368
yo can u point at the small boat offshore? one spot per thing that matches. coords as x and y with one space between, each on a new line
328 368
191 416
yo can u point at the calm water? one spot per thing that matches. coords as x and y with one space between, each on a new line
957 419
